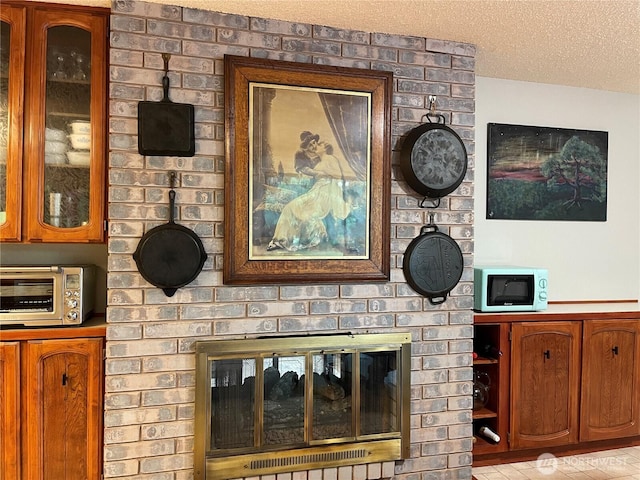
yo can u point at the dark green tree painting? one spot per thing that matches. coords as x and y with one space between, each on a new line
545 173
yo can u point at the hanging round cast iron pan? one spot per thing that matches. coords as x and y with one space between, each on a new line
170 256
433 264
433 159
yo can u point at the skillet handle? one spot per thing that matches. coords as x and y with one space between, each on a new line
172 196
172 205
165 79
428 228
438 300
438 116
165 89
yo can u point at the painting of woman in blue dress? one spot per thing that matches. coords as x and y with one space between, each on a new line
309 173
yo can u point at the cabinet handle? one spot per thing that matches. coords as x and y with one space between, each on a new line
547 354
64 379
615 350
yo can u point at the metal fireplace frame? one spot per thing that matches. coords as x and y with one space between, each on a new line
313 454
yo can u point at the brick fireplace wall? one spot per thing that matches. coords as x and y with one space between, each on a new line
149 402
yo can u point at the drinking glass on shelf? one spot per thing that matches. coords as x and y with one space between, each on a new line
60 73
79 70
55 200
69 207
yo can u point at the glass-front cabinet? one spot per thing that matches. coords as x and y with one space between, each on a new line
12 49
57 153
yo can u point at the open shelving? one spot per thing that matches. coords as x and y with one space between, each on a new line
491 344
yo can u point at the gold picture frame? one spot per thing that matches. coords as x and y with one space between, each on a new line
307 173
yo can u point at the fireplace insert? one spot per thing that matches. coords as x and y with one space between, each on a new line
284 404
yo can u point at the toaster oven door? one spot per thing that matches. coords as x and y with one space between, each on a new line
30 297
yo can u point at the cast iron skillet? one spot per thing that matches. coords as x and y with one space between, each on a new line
165 127
170 256
433 264
433 159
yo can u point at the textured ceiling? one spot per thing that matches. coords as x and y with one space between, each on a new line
581 43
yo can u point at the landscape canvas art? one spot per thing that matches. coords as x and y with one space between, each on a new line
546 173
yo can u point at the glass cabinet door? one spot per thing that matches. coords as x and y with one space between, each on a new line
67 113
12 42
67 137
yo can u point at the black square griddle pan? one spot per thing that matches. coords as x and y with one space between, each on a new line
166 128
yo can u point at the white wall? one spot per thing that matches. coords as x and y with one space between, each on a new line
586 260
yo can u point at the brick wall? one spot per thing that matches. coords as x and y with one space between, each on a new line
150 361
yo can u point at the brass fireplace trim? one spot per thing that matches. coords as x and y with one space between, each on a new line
330 453
255 464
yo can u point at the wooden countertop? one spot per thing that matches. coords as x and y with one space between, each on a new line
567 311
94 327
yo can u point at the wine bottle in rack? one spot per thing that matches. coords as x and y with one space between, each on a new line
489 434
490 351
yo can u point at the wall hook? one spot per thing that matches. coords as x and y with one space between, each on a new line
432 104
432 111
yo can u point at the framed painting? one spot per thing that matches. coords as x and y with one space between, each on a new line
307 173
546 173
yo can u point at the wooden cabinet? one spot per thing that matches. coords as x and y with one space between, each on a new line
563 382
9 410
545 380
12 37
52 87
51 408
610 406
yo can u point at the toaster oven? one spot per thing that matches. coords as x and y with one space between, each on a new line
46 295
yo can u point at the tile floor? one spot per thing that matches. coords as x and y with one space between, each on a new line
621 464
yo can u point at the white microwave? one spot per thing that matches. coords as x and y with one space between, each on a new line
509 289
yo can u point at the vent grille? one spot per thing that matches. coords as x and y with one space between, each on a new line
299 460
311 458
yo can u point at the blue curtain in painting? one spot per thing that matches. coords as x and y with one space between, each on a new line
349 117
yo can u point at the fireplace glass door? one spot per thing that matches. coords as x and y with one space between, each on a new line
285 394
332 396
378 393
232 399
283 400
278 395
